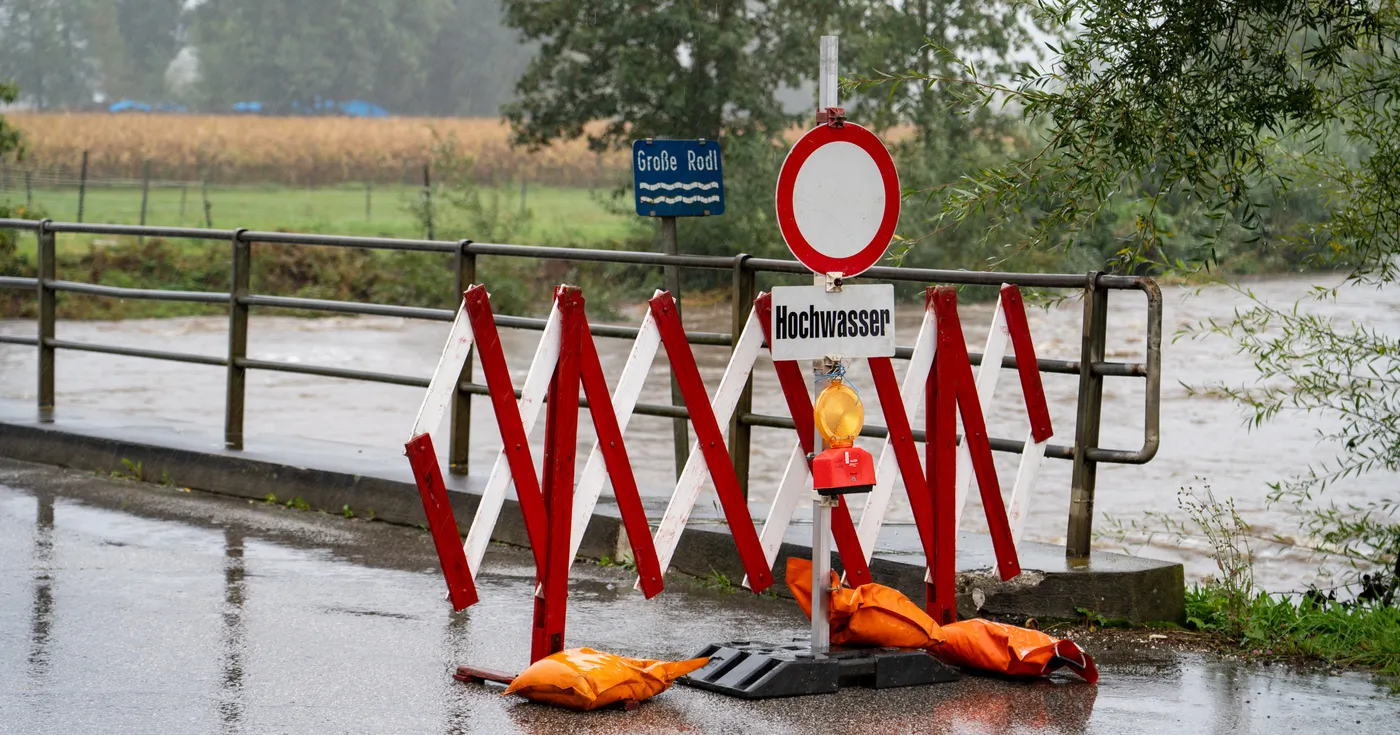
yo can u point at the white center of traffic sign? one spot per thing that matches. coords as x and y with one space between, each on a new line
835 218
838 199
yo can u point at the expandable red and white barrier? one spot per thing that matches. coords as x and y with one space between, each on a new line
556 513
547 503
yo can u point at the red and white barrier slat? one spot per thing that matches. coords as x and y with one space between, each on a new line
427 474
1009 322
911 392
557 482
952 353
461 590
1037 409
940 432
619 469
624 400
709 452
444 381
987 375
526 413
514 428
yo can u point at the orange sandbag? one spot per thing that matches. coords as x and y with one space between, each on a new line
869 615
875 615
1006 649
584 679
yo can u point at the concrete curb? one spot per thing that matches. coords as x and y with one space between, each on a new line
1112 585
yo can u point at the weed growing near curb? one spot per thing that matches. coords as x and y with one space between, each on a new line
134 471
720 581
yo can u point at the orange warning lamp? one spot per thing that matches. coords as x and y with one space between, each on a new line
841 468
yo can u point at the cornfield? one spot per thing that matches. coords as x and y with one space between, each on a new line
296 151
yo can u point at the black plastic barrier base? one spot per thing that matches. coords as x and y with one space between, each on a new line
761 671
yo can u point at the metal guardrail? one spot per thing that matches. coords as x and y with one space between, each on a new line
1084 453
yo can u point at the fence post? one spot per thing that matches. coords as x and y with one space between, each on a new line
461 431
48 301
145 196
1087 419
237 340
680 429
82 186
208 208
428 199
184 192
28 189
740 432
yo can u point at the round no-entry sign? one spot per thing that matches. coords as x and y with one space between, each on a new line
838 199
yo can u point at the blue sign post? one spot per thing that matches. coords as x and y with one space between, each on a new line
677 178
670 179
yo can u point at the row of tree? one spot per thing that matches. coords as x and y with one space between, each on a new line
437 57
720 68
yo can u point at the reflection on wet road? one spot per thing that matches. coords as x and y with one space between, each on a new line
136 608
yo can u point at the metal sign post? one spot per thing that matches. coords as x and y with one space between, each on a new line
821 506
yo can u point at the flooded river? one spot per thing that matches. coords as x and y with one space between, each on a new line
1204 441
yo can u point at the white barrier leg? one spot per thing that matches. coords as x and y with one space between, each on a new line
532 395
887 469
1031 458
725 400
444 381
624 400
795 486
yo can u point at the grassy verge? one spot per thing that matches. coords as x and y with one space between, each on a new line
1347 636
562 215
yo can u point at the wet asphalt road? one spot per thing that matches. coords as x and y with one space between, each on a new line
128 607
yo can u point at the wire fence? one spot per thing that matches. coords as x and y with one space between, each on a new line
64 193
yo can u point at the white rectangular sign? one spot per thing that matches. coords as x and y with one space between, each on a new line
810 323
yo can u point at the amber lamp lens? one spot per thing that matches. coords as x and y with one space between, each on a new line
839 414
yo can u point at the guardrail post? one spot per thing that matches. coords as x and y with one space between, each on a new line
680 429
1087 418
145 197
48 301
237 340
739 432
82 186
459 447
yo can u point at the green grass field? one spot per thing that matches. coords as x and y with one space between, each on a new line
561 216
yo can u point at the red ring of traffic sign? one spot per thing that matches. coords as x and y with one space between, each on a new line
867 253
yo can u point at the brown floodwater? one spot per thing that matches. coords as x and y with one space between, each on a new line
1205 442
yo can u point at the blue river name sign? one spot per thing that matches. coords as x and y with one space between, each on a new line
677 178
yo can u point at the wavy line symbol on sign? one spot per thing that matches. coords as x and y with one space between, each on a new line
686 186
686 199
